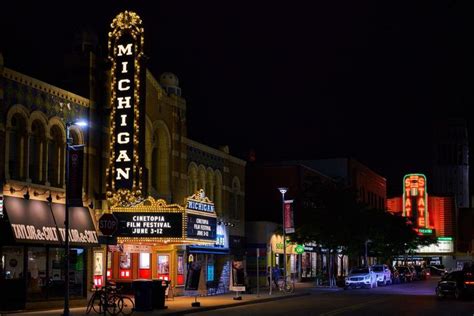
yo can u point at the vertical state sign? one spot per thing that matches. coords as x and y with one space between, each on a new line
415 200
125 171
289 222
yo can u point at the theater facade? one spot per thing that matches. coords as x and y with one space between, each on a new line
177 200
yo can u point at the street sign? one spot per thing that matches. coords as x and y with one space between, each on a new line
108 224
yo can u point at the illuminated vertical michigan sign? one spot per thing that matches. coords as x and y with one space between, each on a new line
415 199
125 169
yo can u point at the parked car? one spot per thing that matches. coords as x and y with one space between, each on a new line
406 275
457 283
413 273
361 277
395 275
421 273
382 274
437 269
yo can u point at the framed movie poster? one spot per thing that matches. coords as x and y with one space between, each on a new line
237 282
193 276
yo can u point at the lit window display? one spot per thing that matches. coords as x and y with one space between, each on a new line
144 270
180 278
125 266
98 268
164 267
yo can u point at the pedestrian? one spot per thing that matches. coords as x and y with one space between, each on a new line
269 271
276 275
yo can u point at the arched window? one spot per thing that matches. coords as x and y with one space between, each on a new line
17 148
218 192
56 152
192 179
201 178
210 184
235 199
37 151
161 167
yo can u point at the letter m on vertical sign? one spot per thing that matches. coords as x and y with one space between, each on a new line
124 112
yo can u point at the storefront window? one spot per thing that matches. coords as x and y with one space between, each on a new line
125 266
180 278
144 270
36 278
210 268
56 272
163 267
11 263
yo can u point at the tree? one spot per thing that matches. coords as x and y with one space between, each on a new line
335 219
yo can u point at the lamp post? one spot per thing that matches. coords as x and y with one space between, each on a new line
66 217
283 190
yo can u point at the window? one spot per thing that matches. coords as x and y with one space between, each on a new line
17 148
37 152
36 277
144 270
180 277
55 157
11 263
163 267
125 271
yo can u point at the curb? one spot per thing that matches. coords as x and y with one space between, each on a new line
257 301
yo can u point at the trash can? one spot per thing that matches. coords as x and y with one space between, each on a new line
143 295
159 291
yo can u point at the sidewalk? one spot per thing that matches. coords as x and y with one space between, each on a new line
182 304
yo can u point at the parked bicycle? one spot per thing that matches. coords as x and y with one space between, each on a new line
290 284
110 299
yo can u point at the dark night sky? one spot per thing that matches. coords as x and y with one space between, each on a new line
296 80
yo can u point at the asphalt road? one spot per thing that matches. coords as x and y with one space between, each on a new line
416 298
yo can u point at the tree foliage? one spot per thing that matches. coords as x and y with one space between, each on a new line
335 219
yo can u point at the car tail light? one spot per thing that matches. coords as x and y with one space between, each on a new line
427 273
469 282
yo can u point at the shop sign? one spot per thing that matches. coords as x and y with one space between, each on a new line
148 224
299 249
444 245
415 199
33 221
200 202
425 231
277 245
222 239
131 248
309 247
201 227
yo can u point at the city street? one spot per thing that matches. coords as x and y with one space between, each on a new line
415 298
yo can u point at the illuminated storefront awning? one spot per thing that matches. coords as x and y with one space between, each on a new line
34 221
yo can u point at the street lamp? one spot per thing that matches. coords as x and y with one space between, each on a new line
80 123
283 190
